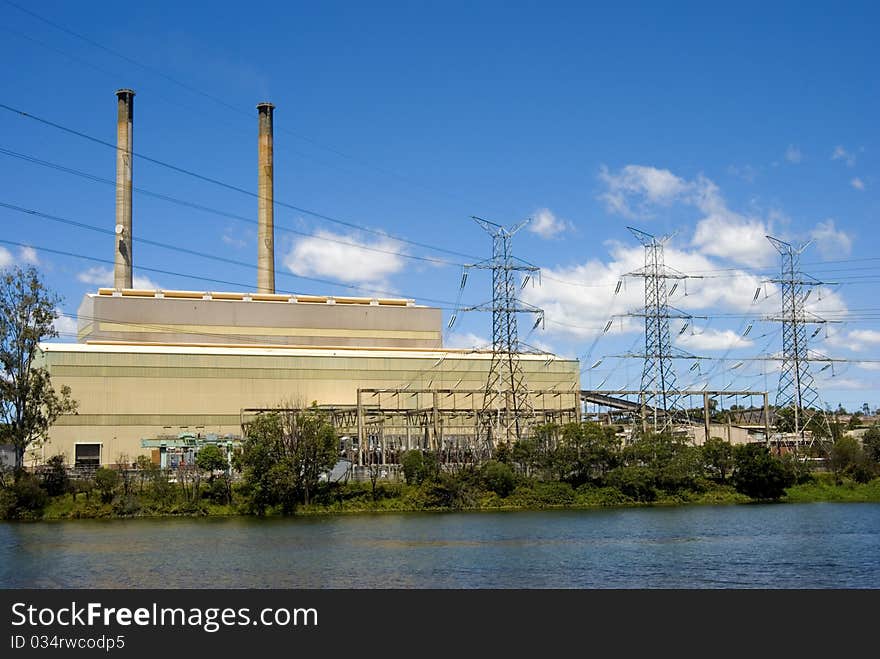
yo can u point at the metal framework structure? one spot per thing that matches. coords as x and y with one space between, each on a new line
658 374
385 422
507 410
797 389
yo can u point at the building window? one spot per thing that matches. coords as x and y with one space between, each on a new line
88 455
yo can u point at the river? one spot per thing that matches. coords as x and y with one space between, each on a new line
820 545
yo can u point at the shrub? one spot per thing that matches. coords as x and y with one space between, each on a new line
55 479
635 482
760 475
106 481
498 477
23 499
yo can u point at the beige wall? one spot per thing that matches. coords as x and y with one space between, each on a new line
127 393
221 321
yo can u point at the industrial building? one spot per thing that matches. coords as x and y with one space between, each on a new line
149 364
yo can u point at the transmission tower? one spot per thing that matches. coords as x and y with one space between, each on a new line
507 408
658 400
797 390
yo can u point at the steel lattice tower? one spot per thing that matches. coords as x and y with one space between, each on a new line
797 388
507 408
658 374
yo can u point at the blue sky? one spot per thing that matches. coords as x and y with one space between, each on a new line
714 124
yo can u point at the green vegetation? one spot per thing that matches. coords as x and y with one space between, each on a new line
574 466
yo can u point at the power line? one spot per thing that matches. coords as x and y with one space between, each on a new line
230 186
209 279
223 103
219 212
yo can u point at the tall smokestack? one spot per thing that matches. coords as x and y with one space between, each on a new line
266 209
125 117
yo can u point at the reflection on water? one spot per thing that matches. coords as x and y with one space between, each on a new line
772 546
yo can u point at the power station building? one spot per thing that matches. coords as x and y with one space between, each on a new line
148 364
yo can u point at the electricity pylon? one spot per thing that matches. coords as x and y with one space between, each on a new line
507 409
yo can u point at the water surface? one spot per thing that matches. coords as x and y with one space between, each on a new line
821 545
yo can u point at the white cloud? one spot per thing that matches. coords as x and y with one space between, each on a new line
831 242
25 255
579 300
656 186
467 340
746 172
720 232
547 225
845 383
349 260
29 255
238 243
857 183
840 153
96 276
103 277
865 336
712 339
739 240
793 154
65 325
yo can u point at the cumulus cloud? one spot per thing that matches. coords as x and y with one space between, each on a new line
25 255
238 243
857 183
830 241
547 225
65 325
840 153
712 339
652 185
579 300
720 232
793 154
29 255
348 260
103 277
467 340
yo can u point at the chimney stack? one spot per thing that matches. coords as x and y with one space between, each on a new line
125 118
266 208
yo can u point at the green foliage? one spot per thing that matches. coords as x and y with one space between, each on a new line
848 459
760 475
29 404
284 456
498 477
23 498
55 479
871 443
637 483
718 458
211 458
106 482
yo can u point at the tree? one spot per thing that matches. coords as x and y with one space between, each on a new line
498 478
759 474
55 479
871 443
849 459
106 481
718 458
284 455
210 458
29 404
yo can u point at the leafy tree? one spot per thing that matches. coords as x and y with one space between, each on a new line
211 458
498 478
106 482
718 458
23 499
284 455
871 443
55 478
848 459
635 482
758 474
29 404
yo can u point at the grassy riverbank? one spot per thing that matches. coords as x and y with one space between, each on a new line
360 498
